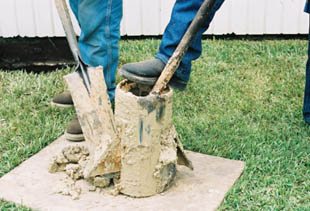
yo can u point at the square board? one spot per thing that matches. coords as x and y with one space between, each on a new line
31 185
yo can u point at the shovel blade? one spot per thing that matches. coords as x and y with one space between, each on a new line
95 115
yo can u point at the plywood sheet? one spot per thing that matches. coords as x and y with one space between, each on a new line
204 188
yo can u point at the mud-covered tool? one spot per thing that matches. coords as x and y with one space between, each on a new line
174 61
65 18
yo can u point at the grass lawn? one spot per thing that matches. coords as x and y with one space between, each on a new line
243 102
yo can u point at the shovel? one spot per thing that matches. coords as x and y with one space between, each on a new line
65 18
174 61
92 105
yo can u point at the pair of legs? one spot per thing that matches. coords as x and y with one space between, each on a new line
100 22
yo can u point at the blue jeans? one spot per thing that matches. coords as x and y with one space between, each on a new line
182 15
306 107
99 21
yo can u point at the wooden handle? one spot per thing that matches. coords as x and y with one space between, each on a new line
174 61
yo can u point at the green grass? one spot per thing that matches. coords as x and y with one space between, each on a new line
243 102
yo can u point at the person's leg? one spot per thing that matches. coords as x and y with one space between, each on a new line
306 106
182 15
100 33
99 21
64 99
74 5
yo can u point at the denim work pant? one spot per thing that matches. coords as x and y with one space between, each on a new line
99 21
182 15
306 107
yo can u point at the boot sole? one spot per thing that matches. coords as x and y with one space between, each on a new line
74 137
174 82
137 79
61 105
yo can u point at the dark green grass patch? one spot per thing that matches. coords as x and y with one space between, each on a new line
243 102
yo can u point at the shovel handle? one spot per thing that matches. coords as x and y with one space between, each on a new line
174 61
65 18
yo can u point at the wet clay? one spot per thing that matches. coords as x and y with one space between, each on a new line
73 160
68 187
138 155
148 145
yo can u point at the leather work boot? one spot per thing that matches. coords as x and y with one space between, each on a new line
147 72
74 131
63 100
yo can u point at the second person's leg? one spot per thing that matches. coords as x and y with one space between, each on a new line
182 15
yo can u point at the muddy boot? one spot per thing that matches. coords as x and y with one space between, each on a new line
147 72
74 131
63 100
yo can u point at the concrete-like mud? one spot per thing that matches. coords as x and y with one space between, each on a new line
149 148
72 161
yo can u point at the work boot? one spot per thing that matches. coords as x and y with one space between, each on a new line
63 100
74 131
147 72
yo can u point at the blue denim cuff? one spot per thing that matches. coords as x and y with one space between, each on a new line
183 73
162 57
307 7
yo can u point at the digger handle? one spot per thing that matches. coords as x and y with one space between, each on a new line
64 15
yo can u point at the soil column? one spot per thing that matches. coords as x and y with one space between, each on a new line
141 121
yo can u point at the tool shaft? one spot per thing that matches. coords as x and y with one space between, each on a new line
65 18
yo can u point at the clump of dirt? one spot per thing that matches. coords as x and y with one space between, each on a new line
77 155
68 187
72 160
74 171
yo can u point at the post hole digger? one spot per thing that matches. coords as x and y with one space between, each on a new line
89 94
